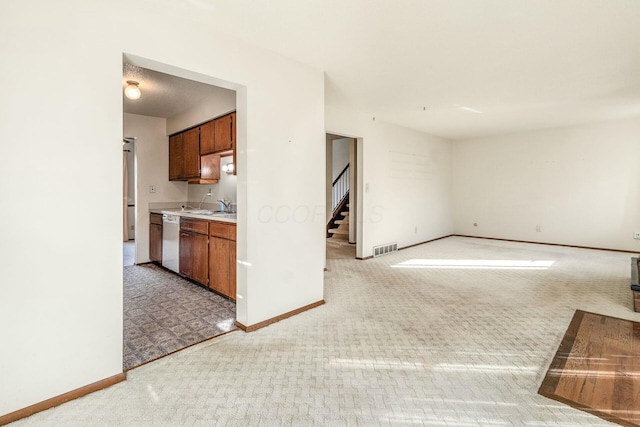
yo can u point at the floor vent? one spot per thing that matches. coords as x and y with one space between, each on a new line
384 249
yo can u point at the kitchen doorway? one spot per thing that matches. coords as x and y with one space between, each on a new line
128 200
163 312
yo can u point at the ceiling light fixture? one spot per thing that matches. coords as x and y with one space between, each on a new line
132 91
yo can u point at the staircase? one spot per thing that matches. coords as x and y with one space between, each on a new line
340 234
338 226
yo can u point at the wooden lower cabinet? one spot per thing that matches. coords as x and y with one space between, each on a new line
155 243
200 258
185 253
222 258
208 254
155 238
194 256
219 265
232 269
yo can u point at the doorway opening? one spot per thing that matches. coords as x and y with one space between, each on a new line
128 200
342 158
166 310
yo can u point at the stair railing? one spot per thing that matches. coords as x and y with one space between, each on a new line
340 188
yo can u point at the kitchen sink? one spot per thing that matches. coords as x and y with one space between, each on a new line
225 215
218 214
199 211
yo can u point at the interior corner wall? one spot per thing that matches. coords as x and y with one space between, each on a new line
152 168
578 185
209 108
406 179
71 304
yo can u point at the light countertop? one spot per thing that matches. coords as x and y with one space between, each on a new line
200 214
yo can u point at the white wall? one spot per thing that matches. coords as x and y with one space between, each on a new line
580 185
152 161
69 79
340 156
406 179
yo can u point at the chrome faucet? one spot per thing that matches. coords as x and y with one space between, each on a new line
226 205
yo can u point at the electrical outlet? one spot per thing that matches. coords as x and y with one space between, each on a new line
152 189
636 235
538 228
415 230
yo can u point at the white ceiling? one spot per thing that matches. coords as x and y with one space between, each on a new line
163 95
453 68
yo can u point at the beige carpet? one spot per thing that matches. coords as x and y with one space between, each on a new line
458 332
340 250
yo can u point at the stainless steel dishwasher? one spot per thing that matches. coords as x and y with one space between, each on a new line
171 242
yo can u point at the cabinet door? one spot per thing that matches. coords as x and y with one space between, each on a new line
191 141
185 254
207 135
210 166
219 265
155 242
232 270
223 133
176 158
200 258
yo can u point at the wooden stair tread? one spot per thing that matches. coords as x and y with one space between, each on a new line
339 231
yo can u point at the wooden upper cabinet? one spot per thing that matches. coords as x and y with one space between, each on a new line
210 168
191 141
233 138
176 157
207 138
223 138
188 150
233 129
